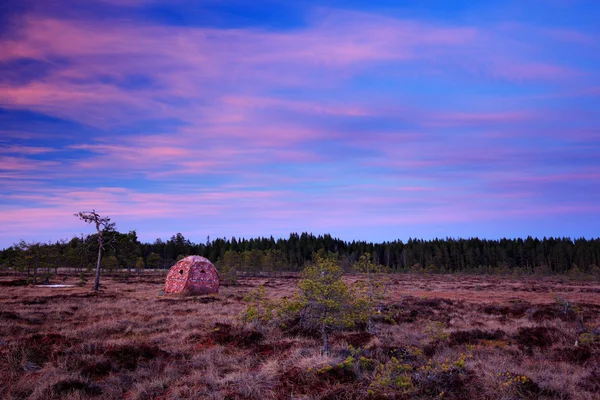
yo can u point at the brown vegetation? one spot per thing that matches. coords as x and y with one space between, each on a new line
451 337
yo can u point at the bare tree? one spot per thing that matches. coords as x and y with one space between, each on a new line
102 224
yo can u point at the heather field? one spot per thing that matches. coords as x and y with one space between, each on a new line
439 336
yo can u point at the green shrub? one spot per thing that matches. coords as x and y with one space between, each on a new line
436 331
391 378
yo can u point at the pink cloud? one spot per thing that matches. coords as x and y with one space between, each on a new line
26 150
228 66
474 118
249 102
91 104
148 156
138 152
24 164
186 61
345 38
534 71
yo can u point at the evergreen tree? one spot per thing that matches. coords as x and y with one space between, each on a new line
328 303
228 266
373 288
153 260
139 264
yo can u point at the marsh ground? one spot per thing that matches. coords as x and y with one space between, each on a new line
438 336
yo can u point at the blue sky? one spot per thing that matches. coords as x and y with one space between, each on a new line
375 121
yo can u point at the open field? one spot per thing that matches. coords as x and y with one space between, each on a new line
451 337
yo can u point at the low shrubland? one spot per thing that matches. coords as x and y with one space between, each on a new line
450 337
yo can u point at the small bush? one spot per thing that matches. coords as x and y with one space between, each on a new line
356 339
515 310
128 356
520 385
474 336
225 334
446 380
436 331
573 355
260 308
34 351
590 337
97 369
342 372
391 378
538 336
65 387
406 316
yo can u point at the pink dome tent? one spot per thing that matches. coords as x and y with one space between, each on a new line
193 274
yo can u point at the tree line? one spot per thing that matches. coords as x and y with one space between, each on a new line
267 254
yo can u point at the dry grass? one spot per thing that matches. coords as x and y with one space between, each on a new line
129 341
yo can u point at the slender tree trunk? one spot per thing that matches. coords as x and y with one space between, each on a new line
325 339
97 280
35 270
371 327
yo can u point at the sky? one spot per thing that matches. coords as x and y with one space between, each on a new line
374 121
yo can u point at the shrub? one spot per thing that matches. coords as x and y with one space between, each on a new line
574 355
590 337
341 372
391 378
129 355
445 379
538 336
518 385
62 388
259 309
474 336
225 334
326 302
436 331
